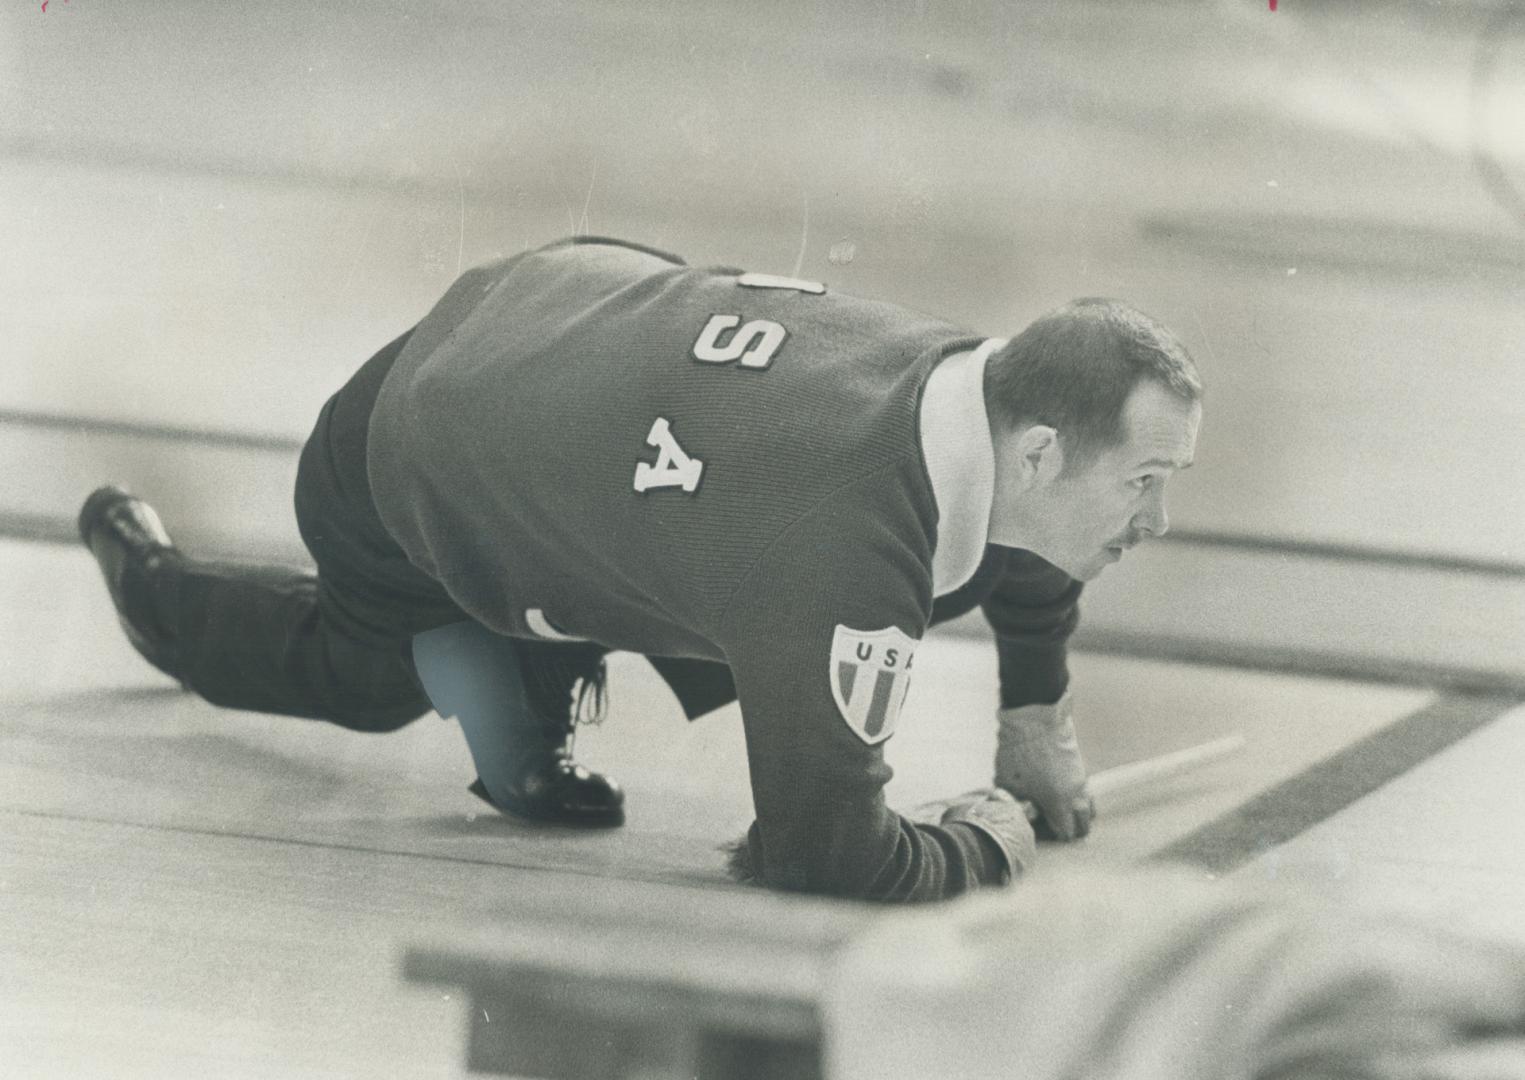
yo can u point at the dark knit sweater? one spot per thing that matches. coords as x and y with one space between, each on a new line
507 451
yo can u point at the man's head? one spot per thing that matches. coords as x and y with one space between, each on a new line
1092 409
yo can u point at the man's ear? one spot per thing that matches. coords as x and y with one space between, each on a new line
1037 455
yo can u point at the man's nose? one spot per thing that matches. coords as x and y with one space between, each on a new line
1153 519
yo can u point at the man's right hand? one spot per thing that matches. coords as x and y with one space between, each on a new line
994 812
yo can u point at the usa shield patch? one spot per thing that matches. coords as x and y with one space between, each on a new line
870 674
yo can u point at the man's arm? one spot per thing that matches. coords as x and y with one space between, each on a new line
1033 608
821 638
822 823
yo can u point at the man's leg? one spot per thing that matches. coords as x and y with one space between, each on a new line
338 646
272 639
515 703
275 640
258 638
243 636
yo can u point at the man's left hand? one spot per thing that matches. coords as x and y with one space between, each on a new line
1038 760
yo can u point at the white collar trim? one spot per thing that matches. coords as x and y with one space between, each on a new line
960 460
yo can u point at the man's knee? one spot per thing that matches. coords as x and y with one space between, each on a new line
370 689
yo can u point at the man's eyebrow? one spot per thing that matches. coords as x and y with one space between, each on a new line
1166 463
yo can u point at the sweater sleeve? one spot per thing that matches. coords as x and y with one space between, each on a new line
1033 609
808 636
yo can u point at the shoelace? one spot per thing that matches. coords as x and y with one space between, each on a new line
590 697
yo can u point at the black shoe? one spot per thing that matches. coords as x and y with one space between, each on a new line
131 547
561 681
558 790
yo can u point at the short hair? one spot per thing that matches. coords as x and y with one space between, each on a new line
1074 368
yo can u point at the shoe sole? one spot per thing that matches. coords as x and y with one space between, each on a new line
599 819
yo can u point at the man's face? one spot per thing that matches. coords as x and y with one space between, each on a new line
1085 518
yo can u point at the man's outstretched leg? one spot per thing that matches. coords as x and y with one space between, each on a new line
257 638
517 703
241 636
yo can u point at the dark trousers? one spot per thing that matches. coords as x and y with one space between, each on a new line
334 645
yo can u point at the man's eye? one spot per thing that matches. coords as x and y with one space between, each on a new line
1143 483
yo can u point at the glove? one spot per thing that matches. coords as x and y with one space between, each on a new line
1037 758
996 814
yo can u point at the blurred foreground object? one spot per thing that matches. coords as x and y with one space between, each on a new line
1121 975
1153 976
